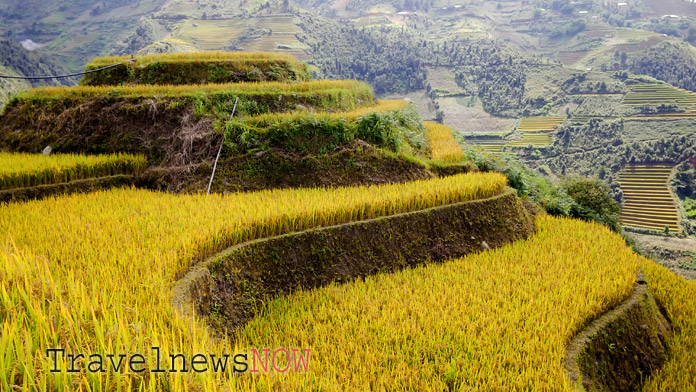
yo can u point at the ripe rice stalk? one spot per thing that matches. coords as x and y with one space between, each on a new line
18 170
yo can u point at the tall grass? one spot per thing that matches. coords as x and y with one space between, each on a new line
267 119
25 170
92 273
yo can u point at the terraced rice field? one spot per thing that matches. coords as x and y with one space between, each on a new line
648 201
654 94
539 124
584 119
661 116
540 139
489 145
91 273
494 321
282 37
570 58
211 34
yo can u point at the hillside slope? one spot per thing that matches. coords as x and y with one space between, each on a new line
17 61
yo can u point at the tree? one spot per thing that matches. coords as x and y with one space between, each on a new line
439 116
593 201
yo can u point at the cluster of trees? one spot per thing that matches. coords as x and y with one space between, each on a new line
684 183
674 63
389 59
493 71
584 198
568 29
143 36
684 28
685 179
578 84
394 60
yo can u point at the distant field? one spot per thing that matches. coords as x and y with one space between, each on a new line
539 124
281 38
472 119
537 131
672 7
655 94
442 78
570 58
597 31
489 145
661 116
273 33
537 139
639 45
600 105
648 201
211 34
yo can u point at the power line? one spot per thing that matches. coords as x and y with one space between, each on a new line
63 76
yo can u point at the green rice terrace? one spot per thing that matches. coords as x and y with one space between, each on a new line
489 145
658 94
537 131
221 223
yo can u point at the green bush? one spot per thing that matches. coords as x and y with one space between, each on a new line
583 198
309 134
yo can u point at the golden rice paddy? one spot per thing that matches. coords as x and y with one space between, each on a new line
92 273
648 201
443 146
19 170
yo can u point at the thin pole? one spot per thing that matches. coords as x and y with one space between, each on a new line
210 184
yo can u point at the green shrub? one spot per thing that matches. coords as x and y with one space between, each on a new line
306 133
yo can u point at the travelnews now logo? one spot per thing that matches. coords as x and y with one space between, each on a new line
280 360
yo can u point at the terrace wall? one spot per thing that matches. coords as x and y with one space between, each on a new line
228 288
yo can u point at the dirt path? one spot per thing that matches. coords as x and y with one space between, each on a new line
677 254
